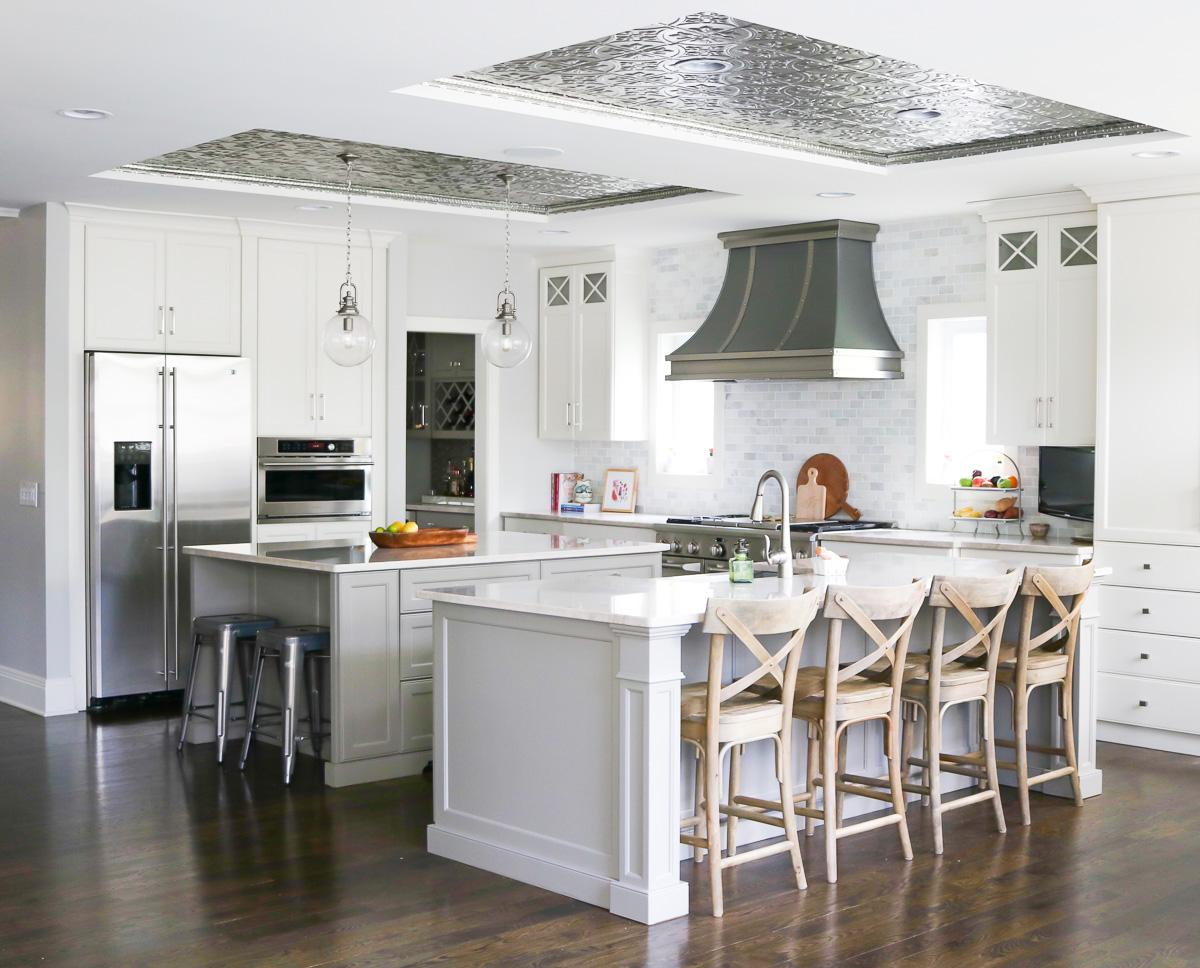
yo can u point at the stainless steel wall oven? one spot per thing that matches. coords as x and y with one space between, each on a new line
328 478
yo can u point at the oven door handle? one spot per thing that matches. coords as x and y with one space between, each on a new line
301 463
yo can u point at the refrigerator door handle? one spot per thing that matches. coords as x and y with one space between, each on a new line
163 515
175 514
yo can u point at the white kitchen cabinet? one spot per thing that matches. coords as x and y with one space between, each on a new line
1041 282
275 533
416 715
300 390
591 357
367 665
153 290
342 531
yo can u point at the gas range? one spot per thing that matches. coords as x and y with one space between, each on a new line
705 543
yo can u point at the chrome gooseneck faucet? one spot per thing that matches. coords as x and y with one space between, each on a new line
783 557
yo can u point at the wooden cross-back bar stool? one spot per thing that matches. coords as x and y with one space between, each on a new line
833 698
717 717
950 675
1043 660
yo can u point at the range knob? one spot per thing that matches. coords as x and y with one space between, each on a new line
693 547
717 550
676 547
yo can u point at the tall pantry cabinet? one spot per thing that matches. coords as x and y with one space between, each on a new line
1148 468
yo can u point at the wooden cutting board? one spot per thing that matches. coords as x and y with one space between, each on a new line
831 472
810 498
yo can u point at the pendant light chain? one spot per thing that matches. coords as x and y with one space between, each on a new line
507 227
349 176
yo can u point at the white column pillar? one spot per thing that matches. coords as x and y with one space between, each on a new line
648 888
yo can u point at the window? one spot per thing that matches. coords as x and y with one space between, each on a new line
955 411
684 431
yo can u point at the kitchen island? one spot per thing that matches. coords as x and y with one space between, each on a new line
557 758
379 689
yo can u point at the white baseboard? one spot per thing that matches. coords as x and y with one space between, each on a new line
45 697
1149 738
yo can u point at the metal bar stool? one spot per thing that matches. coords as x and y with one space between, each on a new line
288 645
229 635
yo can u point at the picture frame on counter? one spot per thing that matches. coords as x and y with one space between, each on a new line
620 489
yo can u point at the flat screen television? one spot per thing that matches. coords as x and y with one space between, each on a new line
1067 482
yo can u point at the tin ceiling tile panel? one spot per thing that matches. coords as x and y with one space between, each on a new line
712 73
285 160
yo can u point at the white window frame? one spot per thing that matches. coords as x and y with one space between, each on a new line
925 314
653 475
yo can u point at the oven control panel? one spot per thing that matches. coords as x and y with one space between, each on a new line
305 447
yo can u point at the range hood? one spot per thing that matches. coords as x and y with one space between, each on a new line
798 303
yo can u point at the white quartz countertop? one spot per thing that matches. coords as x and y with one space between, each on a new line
350 555
900 537
628 520
659 602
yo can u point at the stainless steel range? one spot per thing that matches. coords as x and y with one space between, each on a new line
705 544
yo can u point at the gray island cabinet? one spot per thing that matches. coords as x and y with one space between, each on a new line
379 694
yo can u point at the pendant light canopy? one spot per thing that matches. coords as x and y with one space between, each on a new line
506 341
349 337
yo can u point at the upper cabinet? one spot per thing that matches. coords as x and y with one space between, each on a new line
301 392
153 290
1041 283
591 351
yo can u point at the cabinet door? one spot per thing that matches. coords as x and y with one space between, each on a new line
1016 251
416 715
275 533
343 392
204 294
1147 461
594 363
1071 330
556 354
124 304
287 342
367 665
416 645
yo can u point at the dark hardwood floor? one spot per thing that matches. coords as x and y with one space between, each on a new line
114 851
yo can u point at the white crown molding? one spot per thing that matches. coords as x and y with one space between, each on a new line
291 231
1122 191
190 223
9 212
1031 206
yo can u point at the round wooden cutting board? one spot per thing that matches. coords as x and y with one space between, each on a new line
832 473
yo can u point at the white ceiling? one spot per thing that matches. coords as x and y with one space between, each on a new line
175 75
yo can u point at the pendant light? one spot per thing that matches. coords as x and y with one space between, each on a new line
349 337
506 341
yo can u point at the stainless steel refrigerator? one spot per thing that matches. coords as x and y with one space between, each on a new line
170 464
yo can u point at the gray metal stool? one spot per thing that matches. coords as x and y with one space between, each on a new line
288 645
229 635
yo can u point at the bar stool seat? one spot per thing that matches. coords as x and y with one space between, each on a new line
229 635
1041 667
959 680
292 646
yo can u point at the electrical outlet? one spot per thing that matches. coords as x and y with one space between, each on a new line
29 494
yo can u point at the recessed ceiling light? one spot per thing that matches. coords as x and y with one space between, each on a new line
701 65
314 208
918 114
554 231
1161 153
85 114
835 194
532 151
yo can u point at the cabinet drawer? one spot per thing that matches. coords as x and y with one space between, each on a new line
623 566
532 525
1020 558
416 715
286 532
1158 656
1150 565
416 645
1168 705
412 581
1150 610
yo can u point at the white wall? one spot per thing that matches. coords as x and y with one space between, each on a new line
462 283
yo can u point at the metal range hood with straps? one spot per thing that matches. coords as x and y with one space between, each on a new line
798 303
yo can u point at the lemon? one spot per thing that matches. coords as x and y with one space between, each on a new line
409 527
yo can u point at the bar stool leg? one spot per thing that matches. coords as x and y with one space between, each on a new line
225 645
311 675
1067 712
1022 710
698 852
191 688
290 660
814 752
735 786
252 706
829 777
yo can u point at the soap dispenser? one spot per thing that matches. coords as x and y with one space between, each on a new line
741 568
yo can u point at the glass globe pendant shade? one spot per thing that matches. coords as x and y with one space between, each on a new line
506 341
349 337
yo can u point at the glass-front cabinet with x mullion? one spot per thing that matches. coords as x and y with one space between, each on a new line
1041 281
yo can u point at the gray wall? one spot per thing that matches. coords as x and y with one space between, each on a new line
22 442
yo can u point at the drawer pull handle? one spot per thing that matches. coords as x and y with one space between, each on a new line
1145 655
1142 702
1146 567
1145 611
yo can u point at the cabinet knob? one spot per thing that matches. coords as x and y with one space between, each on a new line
1142 702
1145 655
1145 611
1146 567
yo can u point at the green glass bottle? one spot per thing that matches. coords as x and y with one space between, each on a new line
741 568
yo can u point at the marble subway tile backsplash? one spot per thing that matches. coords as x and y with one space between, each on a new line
871 426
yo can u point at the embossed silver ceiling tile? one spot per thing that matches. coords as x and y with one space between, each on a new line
280 159
711 73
